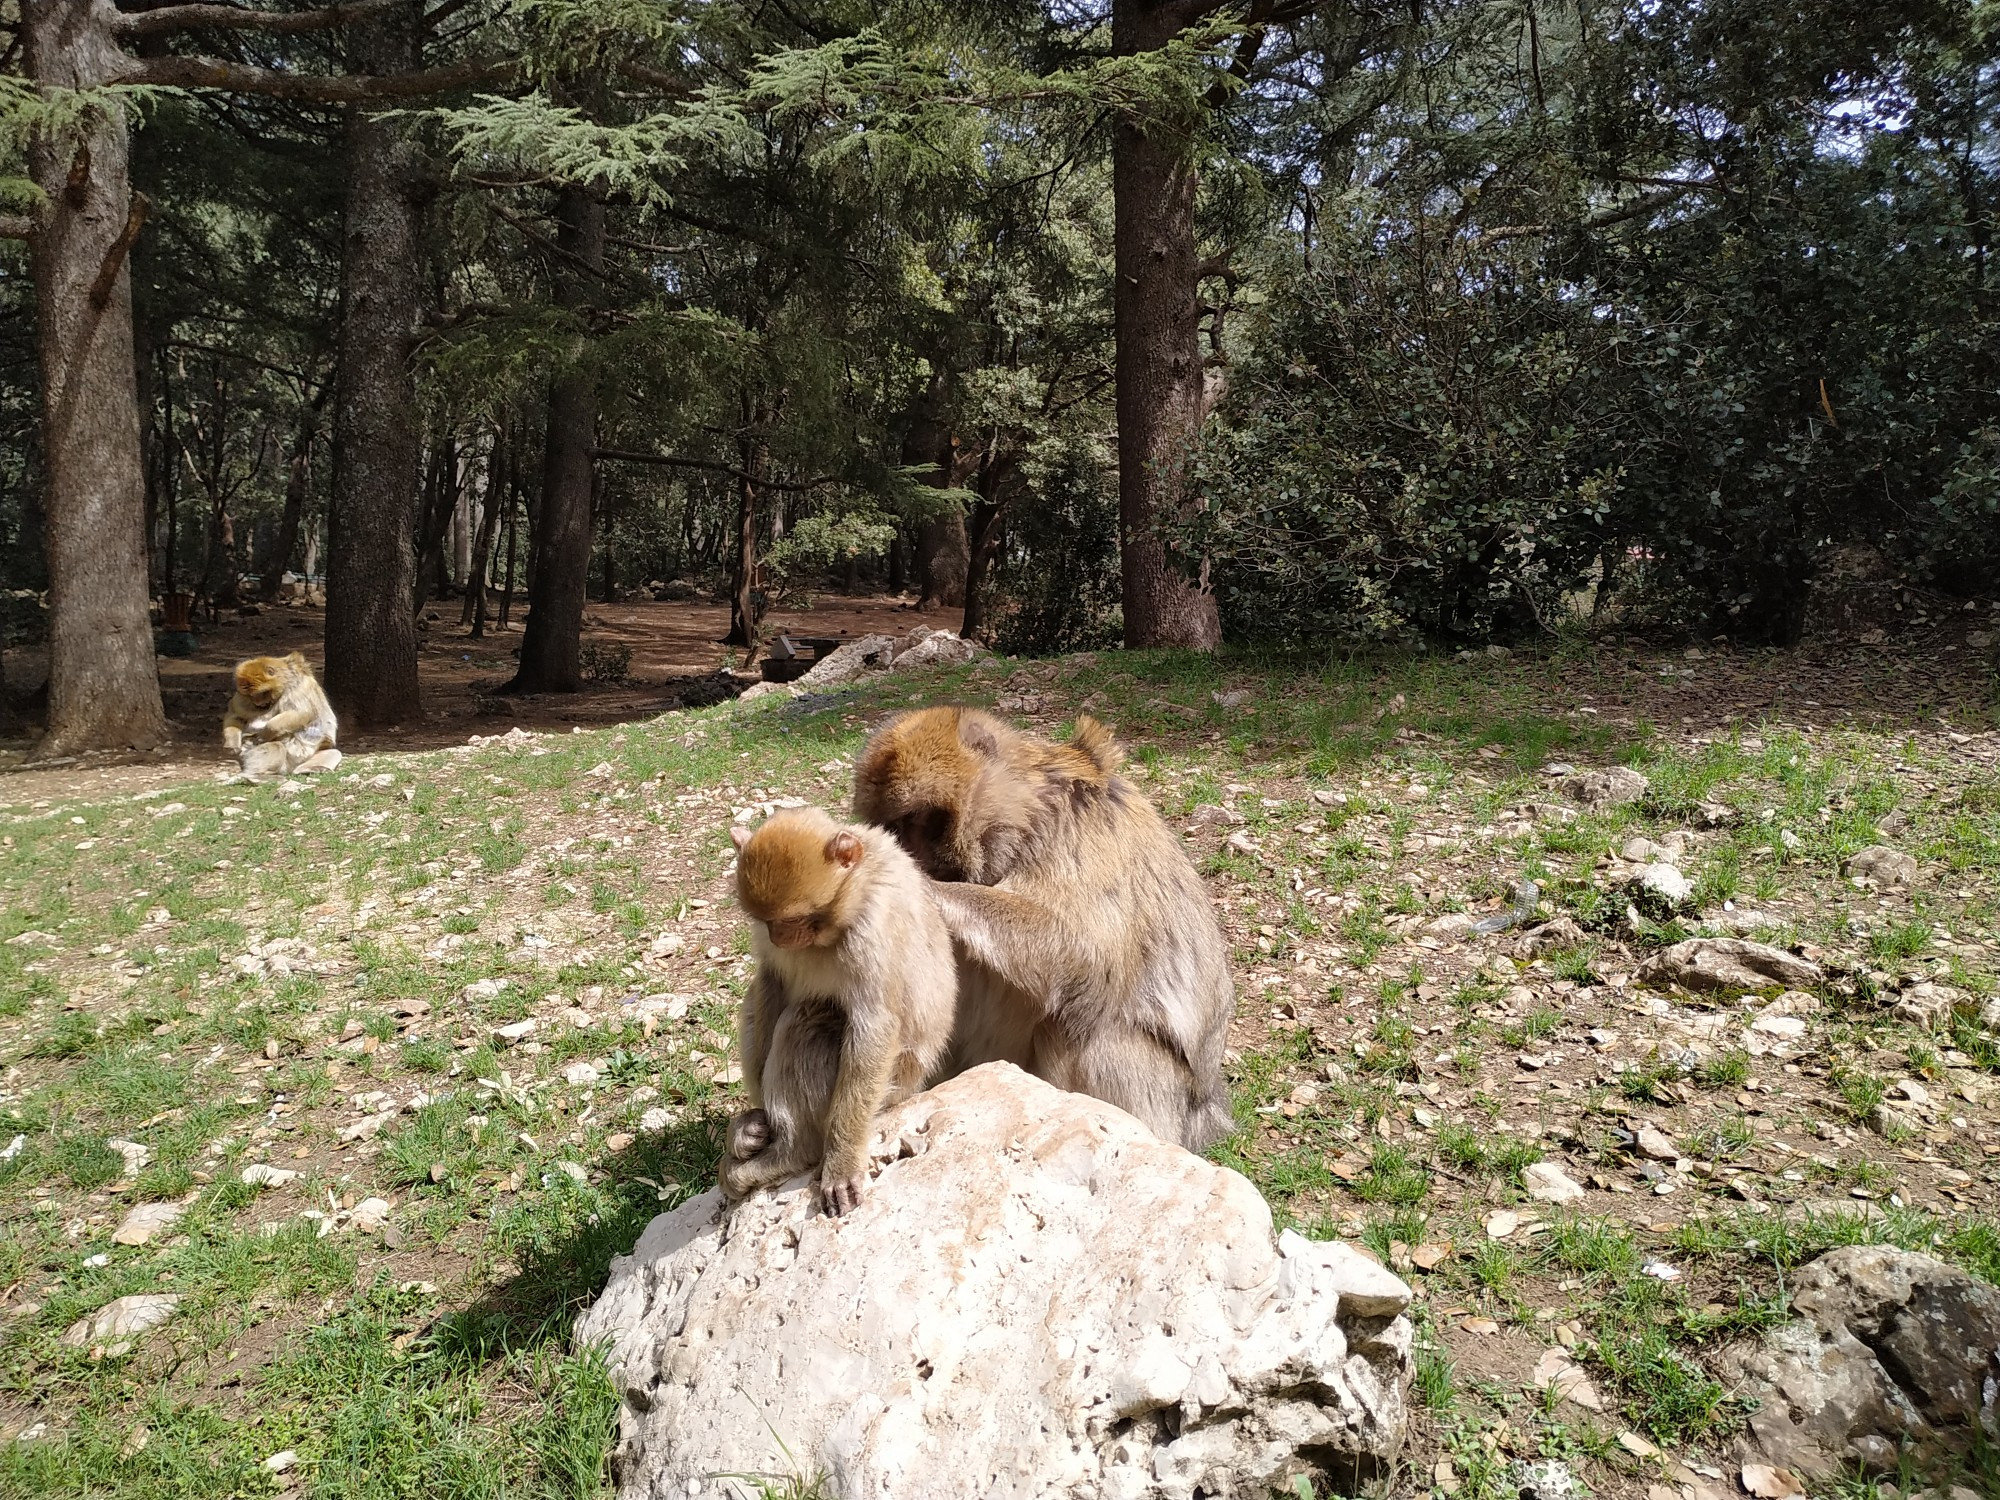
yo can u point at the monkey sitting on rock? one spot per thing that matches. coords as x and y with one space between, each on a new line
279 722
850 1009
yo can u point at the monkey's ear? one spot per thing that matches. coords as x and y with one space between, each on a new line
844 849
739 835
297 659
979 738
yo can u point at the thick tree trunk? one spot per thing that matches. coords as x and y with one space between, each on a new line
1159 355
298 483
104 690
984 535
551 644
942 544
371 633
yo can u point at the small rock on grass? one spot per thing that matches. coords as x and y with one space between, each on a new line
1881 865
1729 965
145 1221
1557 936
1549 1183
123 1318
1608 788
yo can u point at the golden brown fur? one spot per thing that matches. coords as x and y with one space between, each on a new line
850 1009
1089 952
279 721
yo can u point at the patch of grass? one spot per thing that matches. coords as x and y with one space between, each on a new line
1861 1091
1725 1070
1593 1247
1905 940
1393 1177
1669 1396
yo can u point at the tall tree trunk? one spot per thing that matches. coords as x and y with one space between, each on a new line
553 640
439 501
942 545
743 612
104 689
479 564
371 632
298 484
984 535
1159 355
507 583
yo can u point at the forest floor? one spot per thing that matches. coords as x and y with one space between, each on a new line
670 645
327 987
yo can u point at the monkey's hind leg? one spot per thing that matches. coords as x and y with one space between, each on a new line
323 760
785 1137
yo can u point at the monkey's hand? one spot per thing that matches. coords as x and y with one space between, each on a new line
749 1133
232 738
841 1185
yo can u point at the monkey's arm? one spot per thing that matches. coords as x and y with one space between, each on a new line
238 715
287 722
1026 943
867 1060
763 1003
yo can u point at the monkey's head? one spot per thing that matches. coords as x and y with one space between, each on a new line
963 792
263 679
795 876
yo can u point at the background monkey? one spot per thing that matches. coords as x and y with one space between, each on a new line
279 721
1091 954
850 1009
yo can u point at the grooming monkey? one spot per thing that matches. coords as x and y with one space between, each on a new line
1089 952
279 721
850 1009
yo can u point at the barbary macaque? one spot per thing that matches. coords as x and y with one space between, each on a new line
279 722
850 1008
1090 954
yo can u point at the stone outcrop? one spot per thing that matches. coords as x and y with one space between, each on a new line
1729 966
1891 1347
1036 1297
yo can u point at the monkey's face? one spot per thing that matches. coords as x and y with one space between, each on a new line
928 778
812 930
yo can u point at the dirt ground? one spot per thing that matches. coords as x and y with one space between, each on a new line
459 675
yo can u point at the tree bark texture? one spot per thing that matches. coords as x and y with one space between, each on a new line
551 644
1159 354
942 545
744 615
104 689
298 483
371 631
984 535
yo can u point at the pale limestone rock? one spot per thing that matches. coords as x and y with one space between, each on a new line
846 662
1881 865
121 1319
1557 936
144 1221
1035 1298
1730 965
1608 788
1547 1182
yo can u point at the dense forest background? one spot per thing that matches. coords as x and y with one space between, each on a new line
1162 321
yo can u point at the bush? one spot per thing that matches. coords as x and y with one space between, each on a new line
605 661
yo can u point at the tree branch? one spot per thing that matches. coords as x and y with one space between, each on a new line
16 227
623 455
238 18
329 88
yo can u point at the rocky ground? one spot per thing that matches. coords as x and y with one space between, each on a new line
356 1085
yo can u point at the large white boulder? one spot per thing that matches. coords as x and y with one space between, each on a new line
1036 1298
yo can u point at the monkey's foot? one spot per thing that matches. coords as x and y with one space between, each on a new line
843 1194
749 1133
